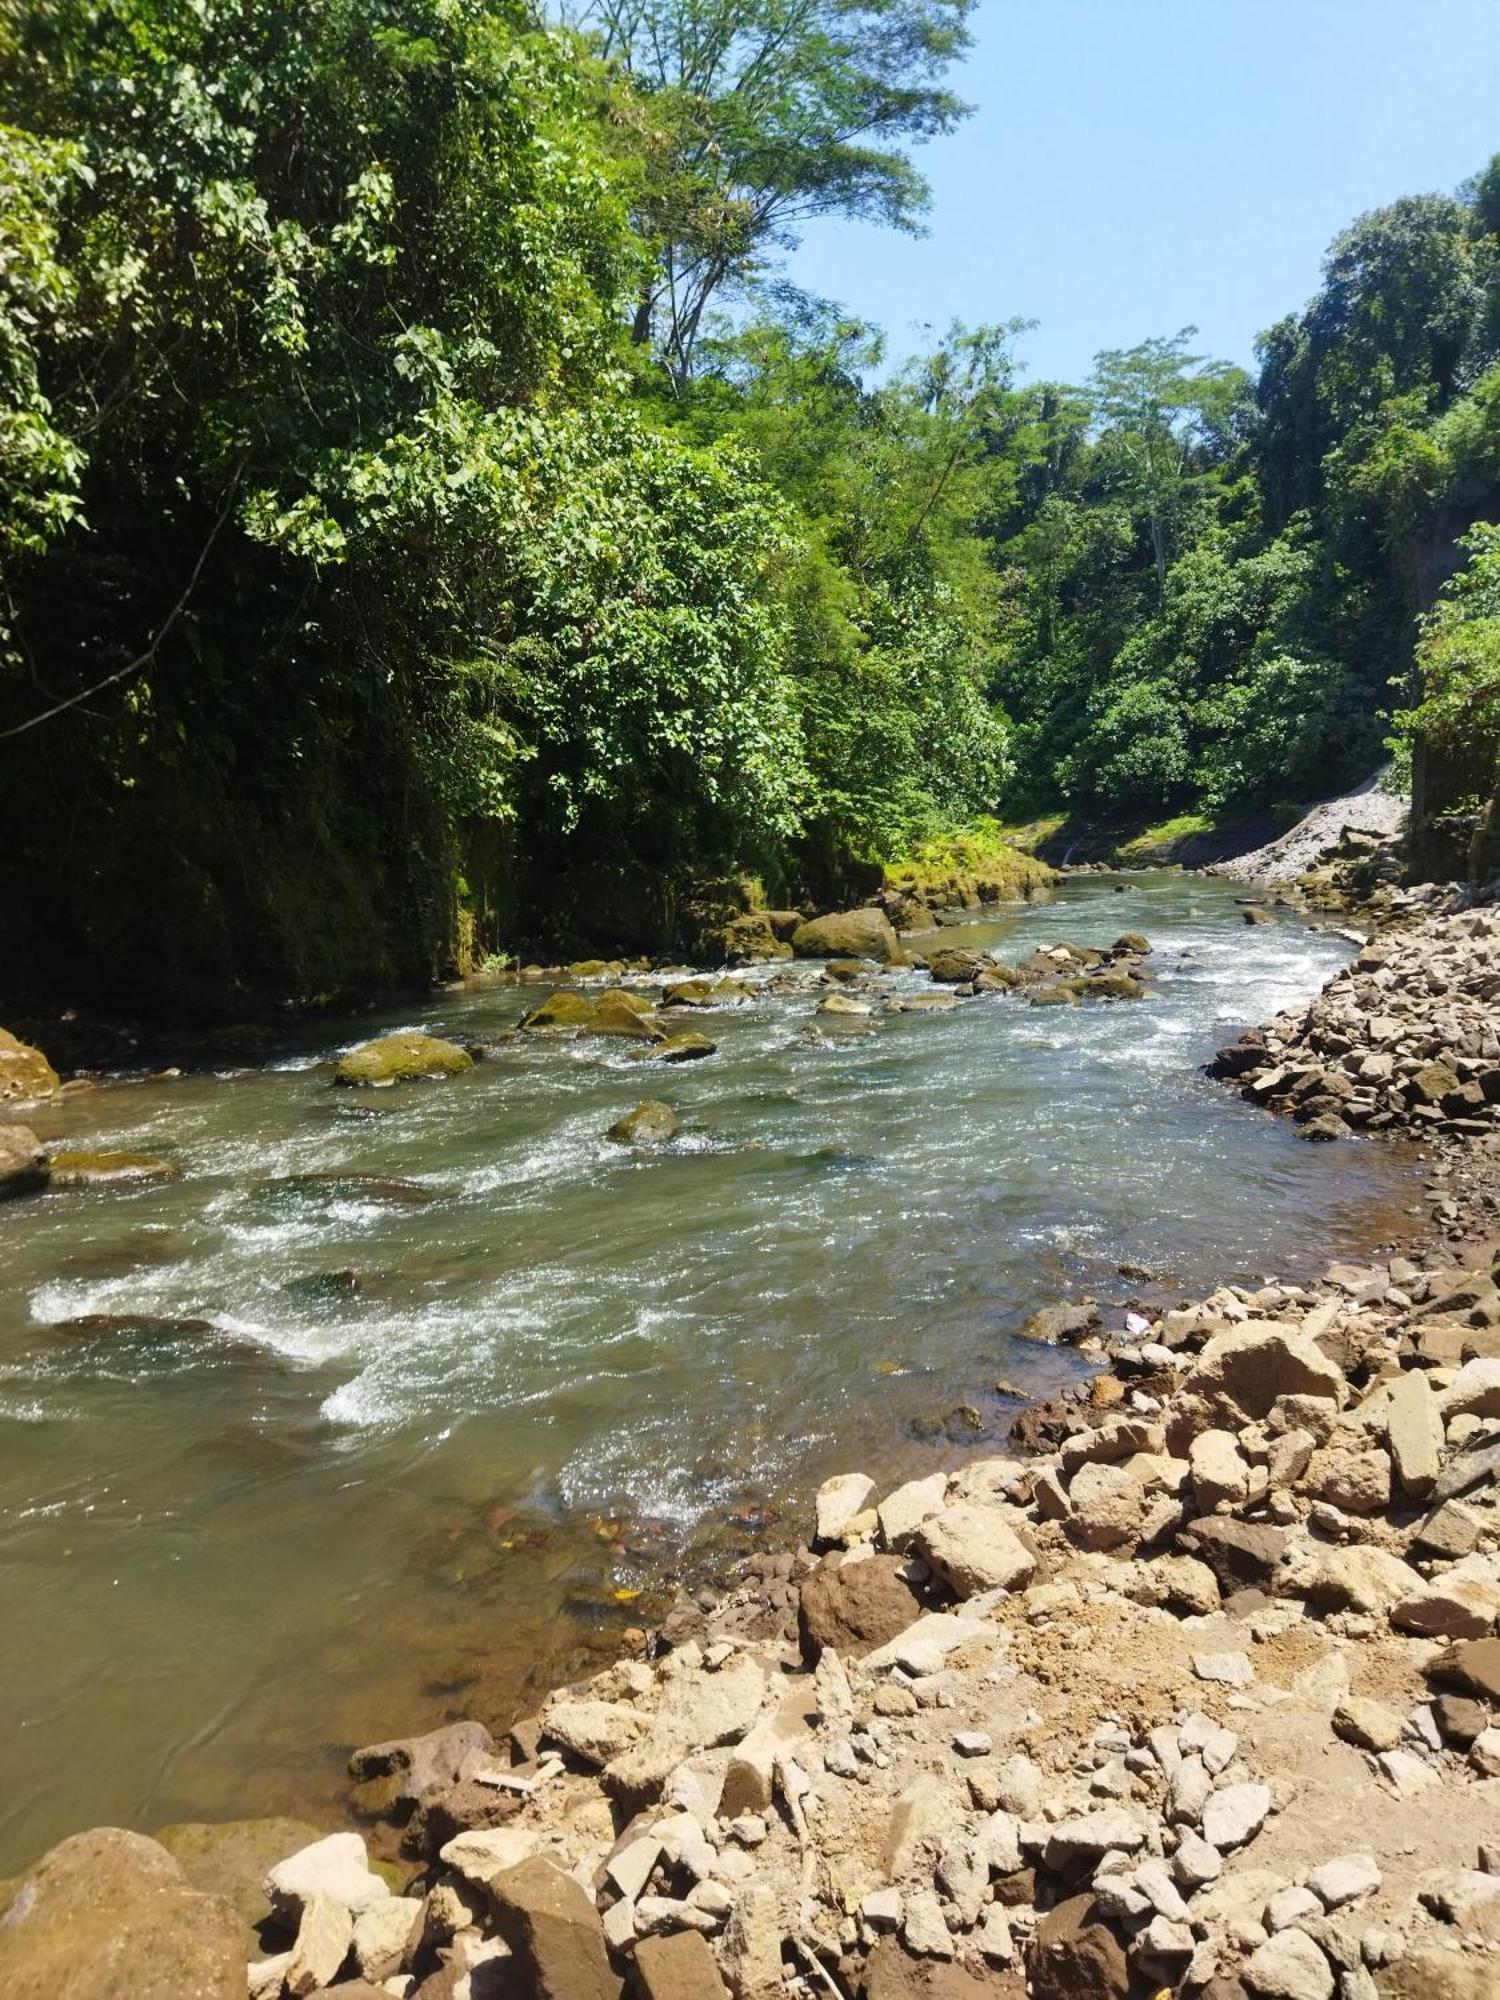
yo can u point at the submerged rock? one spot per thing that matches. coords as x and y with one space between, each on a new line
384 1189
402 1058
68 1169
23 1161
650 1124
231 1858
25 1073
153 1326
684 1048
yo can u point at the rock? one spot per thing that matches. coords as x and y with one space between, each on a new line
1195 1863
839 1500
650 1124
1105 1507
1219 1474
750 1951
891 1973
72 1169
554 1933
1290 1906
1076 1956
1474 1391
975 1549
923 1930
696 1712
1459 1604
1344 1880
384 1933
864 933
1358 1578
901 1513
324 1935
1451 1530
845 1004
853 1607
1235 1815
1356 1482
1241 1554
1228 1669
679 1967
594 1731
401 1058
23 1161
230 1859
1289 1966
684 1048
1241 1373
481 1853
418 1765
25 1073
335 1867
1473 1664
1072 1842
109 1915
1369 1724
1415 1433
926 1643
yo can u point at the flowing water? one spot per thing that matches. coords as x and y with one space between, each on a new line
335 1511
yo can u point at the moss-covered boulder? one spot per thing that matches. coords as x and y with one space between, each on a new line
70 1169
403 1058
1132 944
23 1161
25 1073
865 933
650 1124
754 936
617 1012
1115 985
689 993
954 967
110 1915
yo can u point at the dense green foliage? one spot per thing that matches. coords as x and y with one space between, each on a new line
417 493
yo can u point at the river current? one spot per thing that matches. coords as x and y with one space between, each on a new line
410 1402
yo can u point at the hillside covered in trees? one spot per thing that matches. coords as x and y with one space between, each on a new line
428 521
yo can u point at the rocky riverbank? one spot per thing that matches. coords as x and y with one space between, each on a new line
1195 1696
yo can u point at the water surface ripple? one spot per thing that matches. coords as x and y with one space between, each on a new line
227 1553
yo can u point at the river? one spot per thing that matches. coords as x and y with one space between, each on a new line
561 1370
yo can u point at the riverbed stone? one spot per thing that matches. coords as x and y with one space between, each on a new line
417 1765
1289 1966
1220 1476
678 1967
1242 1372
336 1867
650 1124
23 1161
25 1073
325 1934
73 1168
853 1607
1414 1433
864 933
594 1731
401 1058
975 1549
838 1501
555 1933
109 1915
902 1512
384 1935
1105 1507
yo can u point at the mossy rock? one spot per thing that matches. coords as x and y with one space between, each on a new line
617 1014
69 1169
1134 943
626 996
560 1010
403 1058
1061 994
650 1124
689 993
25 1073
1109 986
232 1858
23 1161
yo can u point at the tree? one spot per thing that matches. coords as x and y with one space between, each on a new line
753 116
1167 417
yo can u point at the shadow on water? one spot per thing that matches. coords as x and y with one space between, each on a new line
399 1407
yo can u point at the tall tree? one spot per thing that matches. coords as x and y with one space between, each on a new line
753 116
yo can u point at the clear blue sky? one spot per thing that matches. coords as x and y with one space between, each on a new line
1133 166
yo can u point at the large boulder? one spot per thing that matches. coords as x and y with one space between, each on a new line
109 1915
975 1549
25 1073
1242 1372
853 1607
554 1931
853 934
402 1058
23 1161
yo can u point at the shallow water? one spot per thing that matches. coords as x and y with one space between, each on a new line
227 1553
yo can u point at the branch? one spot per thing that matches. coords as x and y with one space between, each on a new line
141 659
